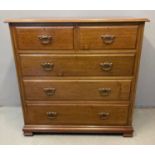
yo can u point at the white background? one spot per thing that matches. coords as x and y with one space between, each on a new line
145 86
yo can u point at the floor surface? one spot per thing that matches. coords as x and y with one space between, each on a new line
11 124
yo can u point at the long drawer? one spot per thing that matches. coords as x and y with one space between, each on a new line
77 89
44 37
77 114
77 65
108 37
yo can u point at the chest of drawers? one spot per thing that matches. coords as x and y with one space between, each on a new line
77 75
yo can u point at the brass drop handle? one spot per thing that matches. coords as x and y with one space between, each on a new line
49 91
108 39
47 66
51 115
104 91
45 39
104 115
106 66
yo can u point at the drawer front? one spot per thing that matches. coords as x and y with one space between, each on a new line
77 65
77 89
77 115
35 38
108 37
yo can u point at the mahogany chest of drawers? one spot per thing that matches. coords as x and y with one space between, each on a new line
77 75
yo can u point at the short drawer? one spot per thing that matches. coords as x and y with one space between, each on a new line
108 37
77 89
44 38
77 114
77 65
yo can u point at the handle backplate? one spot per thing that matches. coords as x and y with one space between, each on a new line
104 115
47 66
108 39
51 115
104 91
106 66
49 91
45 39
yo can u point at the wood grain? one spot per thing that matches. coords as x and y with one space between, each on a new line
90 37
77 90
28 37
77 65
77 115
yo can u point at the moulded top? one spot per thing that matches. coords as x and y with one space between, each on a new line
74 20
